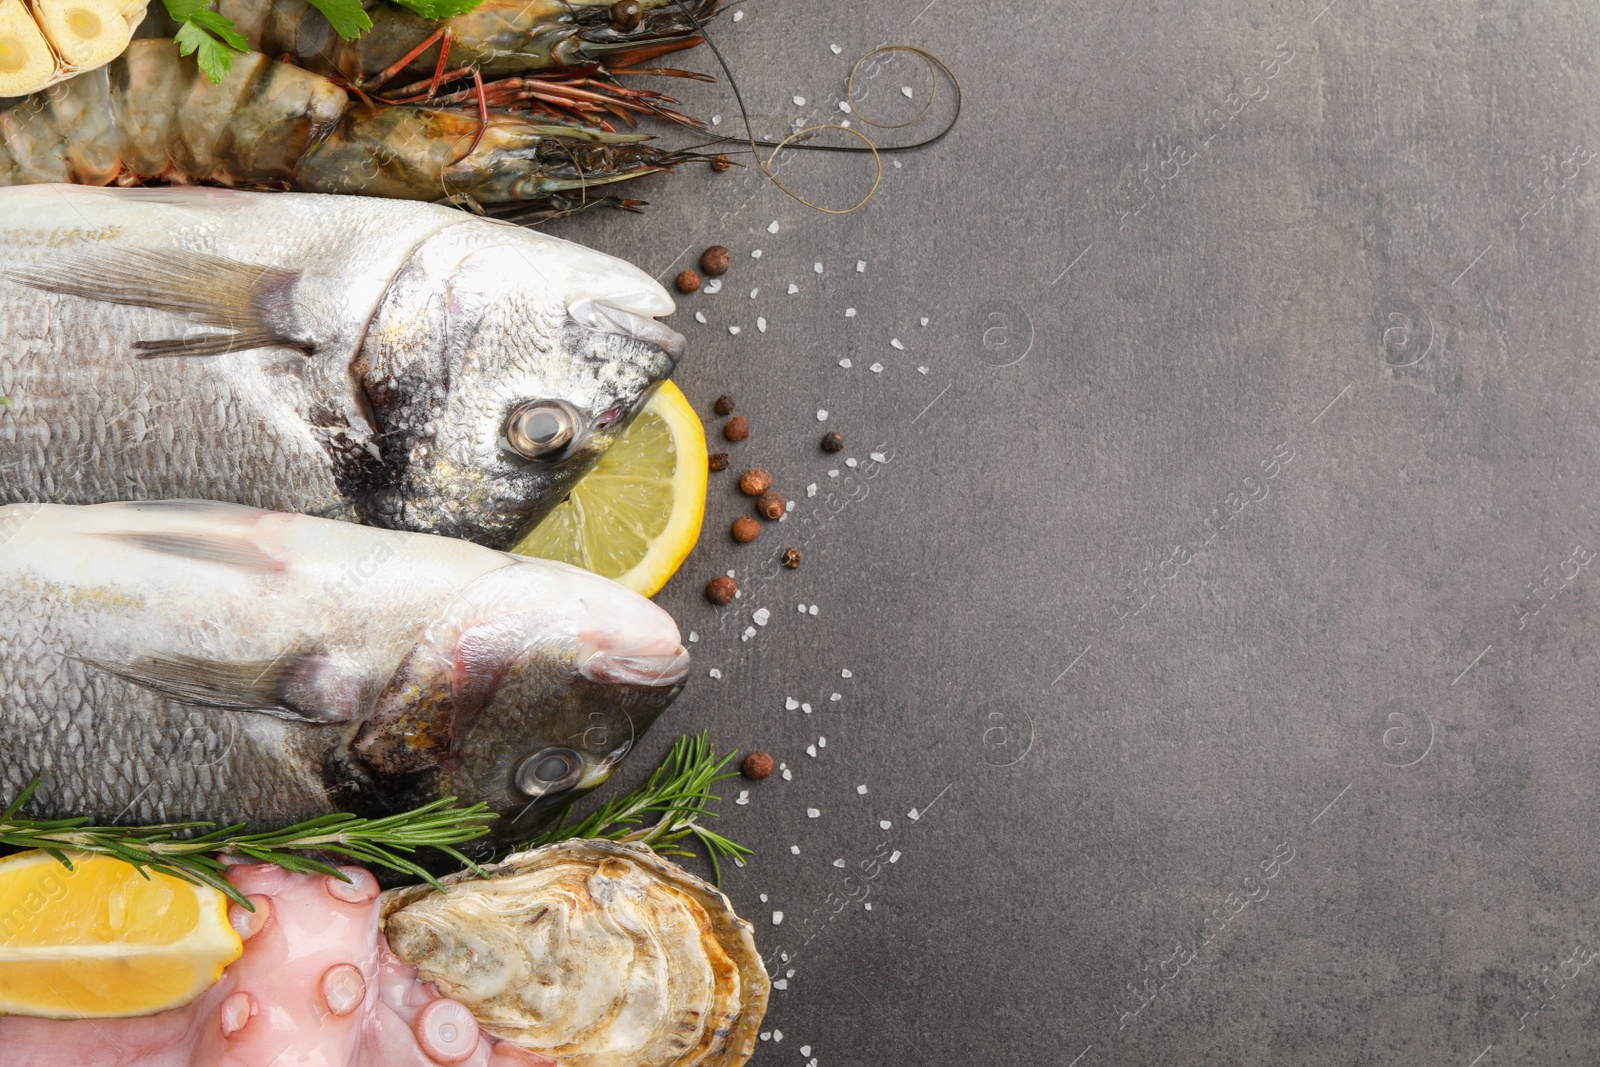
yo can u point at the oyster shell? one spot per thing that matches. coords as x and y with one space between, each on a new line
598 953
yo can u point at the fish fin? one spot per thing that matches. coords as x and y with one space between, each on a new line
226 549
311 687
251 303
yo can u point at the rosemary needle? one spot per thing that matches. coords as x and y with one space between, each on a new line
675 798
192 851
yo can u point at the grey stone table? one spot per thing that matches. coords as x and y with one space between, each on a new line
1219 624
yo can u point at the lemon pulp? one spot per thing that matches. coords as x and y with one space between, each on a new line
635 516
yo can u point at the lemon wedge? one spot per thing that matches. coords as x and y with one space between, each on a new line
635 516
101 940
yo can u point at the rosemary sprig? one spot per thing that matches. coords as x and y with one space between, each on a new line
678 794
192 850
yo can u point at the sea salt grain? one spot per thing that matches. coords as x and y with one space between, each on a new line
716 120
844 105
806 708
835 49
715 673
793 288
894 857
737 15
754 291
744 797
755 253
849 313
790 703
868 905
884 824
749 632
782 983
822 742
713 287
905 90
817 267
811 750
761 615
813 610
924 320
794 850
788 775
861 790
777 1035
845 363
763 898
766 1035
799 101
861 266
772 227
700 317
761 324
693 637
878 457
846 673
777 920
894 342
922 370
734 330
802 609
836 697
834 473
876 368
851 462
813 813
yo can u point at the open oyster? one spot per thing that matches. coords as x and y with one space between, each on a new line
597 953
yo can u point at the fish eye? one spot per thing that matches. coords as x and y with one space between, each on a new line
541 429
548 771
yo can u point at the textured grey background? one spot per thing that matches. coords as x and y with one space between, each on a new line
1321 276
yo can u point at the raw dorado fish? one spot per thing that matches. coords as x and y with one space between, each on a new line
399 364
181 660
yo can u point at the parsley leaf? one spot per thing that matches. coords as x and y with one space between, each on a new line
347 17
211 38
439 9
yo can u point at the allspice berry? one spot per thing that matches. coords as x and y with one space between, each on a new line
832 442
688 281
755 482
756 766
723 405
746 529
718 461
721 589
721 163
791 558
714 261
736 428
771 505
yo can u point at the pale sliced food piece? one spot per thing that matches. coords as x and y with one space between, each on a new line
85 33
26 62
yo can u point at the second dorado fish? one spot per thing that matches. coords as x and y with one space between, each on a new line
398 364
192 660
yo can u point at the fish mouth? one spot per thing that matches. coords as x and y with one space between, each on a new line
658 670
610 317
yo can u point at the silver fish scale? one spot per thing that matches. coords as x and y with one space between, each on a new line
173 422
115 752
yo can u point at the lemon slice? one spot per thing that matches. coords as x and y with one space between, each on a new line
636 515
102 941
